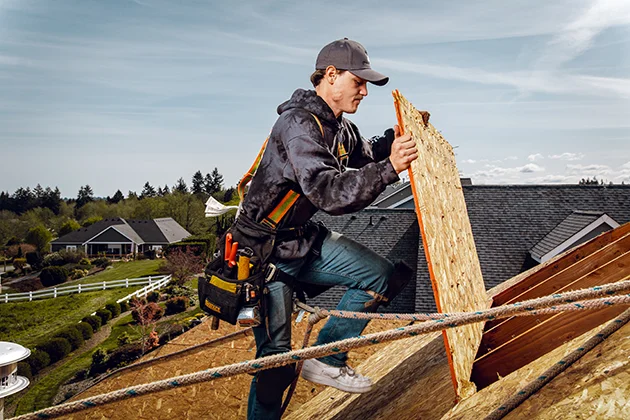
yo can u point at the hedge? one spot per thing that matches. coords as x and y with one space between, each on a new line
124 306
104 314
94 321
38 360
176 305
85 329
24 369
51 276
73 335
114 308
57 348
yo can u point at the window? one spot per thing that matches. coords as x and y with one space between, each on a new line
71 247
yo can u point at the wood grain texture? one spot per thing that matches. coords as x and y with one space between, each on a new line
447 237
603 272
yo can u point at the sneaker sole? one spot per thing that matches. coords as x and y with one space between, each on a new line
327 380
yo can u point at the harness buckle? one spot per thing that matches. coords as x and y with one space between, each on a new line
271 273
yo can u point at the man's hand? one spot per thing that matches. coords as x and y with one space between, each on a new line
403 151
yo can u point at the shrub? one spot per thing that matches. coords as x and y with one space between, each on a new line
71 257
24 369
85 262
124 306
57 348
99 359
153 296
124 355
101 262
77 273
170 332
85 329
19 263
173 290
53 259
104 314
94 321
176 305
74 337
114 308
123 339
38 360
51 276
150 254
145 314
34 259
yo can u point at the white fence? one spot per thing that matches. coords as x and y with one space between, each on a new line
151 282
147 289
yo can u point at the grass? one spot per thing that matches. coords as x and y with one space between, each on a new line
27 323
124 270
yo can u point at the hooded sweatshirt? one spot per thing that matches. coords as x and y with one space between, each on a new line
298 157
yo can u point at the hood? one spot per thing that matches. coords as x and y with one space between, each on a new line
309 101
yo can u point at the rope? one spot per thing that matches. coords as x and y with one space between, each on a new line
558 368
570 301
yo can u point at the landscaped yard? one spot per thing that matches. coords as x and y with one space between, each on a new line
27 323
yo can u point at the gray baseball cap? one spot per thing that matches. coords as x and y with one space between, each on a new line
349 55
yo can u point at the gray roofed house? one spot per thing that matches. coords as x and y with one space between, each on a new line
515 227
118 237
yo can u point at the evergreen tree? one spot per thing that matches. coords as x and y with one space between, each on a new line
166 190
148 191
132 195
207 184
181 186
23 200
117 198
52 200
85 196
39 194
217 182
197 183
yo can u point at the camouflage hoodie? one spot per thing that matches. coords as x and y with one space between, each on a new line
298 157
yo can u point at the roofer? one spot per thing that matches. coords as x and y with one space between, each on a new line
309 150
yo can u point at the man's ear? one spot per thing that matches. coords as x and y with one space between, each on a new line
331 74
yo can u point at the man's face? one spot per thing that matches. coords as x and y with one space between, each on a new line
347 92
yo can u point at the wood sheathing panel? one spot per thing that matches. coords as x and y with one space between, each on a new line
447 237
596 387
224 399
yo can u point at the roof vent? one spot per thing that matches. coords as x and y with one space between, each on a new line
10 382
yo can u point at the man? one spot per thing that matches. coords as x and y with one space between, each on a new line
308 151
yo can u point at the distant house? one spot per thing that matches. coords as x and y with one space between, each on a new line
515 228
117 236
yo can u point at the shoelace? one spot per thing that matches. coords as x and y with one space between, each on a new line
347 370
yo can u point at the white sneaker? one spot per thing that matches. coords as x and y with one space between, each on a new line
343 378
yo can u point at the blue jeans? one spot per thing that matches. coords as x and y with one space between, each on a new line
343 262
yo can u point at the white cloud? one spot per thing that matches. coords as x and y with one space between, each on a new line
625 165
553 179
588 170
535 157
568 156
498 171
469 161
511 158
529 168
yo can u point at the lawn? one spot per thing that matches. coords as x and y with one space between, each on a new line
124 270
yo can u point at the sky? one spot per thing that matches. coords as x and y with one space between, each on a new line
120 92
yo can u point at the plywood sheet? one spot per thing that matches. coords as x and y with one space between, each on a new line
447 237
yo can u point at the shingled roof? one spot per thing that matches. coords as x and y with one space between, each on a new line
508 221
156 231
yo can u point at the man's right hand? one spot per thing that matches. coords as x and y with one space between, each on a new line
403 151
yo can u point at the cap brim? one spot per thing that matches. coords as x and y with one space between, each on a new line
371 76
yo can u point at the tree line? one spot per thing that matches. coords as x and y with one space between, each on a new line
28 208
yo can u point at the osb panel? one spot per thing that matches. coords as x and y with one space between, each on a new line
448 241
595 387
220 399
401 372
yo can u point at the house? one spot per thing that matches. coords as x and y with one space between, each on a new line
515 227
117 236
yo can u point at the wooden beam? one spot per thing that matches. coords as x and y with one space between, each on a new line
613 271
559 280
536 342
449 246
524 281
